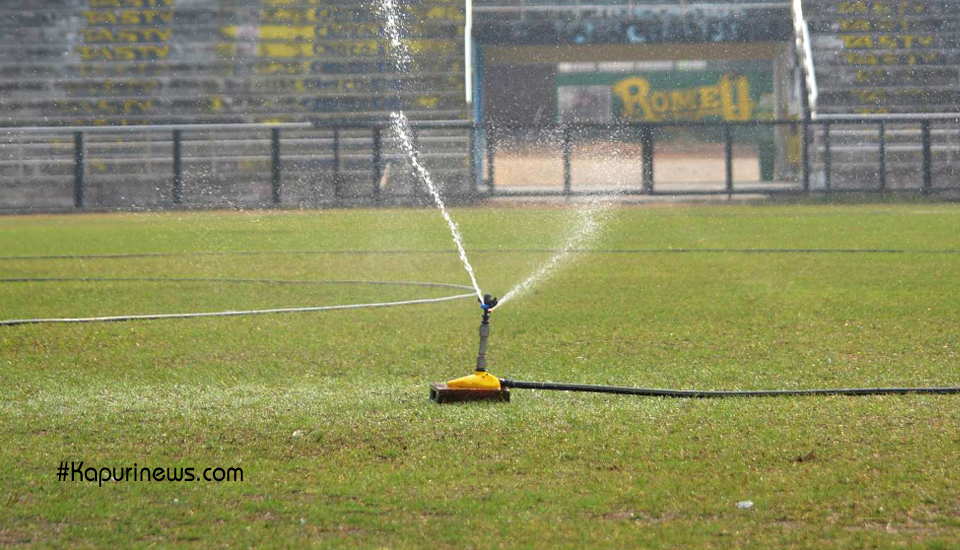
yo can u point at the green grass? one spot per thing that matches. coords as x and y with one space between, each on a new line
327 413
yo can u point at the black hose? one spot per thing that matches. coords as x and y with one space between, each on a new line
706 394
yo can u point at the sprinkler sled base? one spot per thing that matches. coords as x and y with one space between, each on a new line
442 393
479 386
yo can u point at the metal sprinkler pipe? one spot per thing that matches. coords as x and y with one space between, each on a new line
488 303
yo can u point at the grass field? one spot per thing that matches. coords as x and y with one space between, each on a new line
328 417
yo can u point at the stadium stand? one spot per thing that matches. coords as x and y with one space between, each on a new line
154 62
635 22
166 61
318 63
883 58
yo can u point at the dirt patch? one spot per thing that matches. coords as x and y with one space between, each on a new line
630 515
622 166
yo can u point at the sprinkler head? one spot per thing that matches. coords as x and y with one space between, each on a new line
481 385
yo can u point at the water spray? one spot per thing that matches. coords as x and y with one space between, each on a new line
481 385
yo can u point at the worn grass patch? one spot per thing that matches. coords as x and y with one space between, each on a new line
327 414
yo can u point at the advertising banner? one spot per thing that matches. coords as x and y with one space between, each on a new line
664 96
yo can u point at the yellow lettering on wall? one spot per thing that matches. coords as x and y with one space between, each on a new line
156 35
728 99
710 100
96 35
132 3
286 32
684 100
123 53
870 96
860 25
853 7
283 68
633 94
428 102
881 8
89 53
288 15
433 46
282 3
125 35
736 98
285 49
100 17
445 12
659 102
855 41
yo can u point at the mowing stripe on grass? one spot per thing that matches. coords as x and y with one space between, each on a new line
496 251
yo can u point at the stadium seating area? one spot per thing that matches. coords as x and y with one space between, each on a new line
137 62
148 62
887 57
167 61
633 22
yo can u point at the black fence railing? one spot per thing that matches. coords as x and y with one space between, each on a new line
865 154
180 166
816 168
650 136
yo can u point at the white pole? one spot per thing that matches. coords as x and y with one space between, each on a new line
468 51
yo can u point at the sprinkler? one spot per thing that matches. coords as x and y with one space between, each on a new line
481 385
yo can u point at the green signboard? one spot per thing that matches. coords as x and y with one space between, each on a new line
664 96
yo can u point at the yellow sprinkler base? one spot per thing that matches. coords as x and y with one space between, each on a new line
479 386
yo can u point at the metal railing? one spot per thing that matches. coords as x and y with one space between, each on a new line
352 158
825 150
818 169
646 135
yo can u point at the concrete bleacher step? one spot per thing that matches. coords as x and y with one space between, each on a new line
836 77
866 109
918 97
854 24
889 8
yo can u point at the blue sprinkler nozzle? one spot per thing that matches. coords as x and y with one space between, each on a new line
489 302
